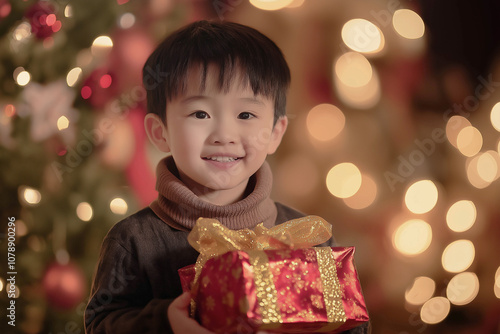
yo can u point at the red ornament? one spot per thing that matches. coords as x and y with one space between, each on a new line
64 285
43 20
99 87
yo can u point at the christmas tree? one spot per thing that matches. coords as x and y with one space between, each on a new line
73 155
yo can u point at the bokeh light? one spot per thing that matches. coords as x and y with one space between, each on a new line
422 290
101 46
73 76
296 3
412 237
487 167
118 206
353 69
472 169
343 180
458 256
30 196
462 288
270 4
408 24
363 97
84 211
362 36
9 110
325 121
365 196
126 21
421 196
21 76
469 141
62 123
496 287
453 127
68 11
461 216
495 116
22 31
435 310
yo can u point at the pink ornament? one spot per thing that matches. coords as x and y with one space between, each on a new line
43 20
64 285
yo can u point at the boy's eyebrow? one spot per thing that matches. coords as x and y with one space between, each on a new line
194 98
252 100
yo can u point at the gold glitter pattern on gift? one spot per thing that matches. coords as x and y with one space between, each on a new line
331 286
264 286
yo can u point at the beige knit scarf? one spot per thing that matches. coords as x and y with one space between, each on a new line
180 207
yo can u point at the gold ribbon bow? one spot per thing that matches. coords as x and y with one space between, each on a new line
211 238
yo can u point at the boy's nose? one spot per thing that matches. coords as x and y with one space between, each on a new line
224 132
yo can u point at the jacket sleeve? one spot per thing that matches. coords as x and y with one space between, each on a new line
121 298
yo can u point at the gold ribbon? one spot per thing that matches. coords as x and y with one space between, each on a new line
211 238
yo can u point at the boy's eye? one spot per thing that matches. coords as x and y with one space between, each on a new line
245 115
200 114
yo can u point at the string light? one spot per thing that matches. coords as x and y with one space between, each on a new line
435 310
296 3
422 290
101 46
461 216
13 287
487 167
458 256
126 21
408 24
270 4
453 127
22 31
84 211
421 196
365 196
118 206
68 11
353 69
413 237
469 141
362 36
62 123
462 288
9 110
73 76
325 121
495 116
363 97
21 76
343 180
496 287
472 169
30 196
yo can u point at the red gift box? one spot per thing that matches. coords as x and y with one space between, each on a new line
281 290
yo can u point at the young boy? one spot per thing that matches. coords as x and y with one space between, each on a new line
216 103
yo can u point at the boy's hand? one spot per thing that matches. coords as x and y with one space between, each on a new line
179 318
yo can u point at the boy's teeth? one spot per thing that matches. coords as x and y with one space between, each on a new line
222 159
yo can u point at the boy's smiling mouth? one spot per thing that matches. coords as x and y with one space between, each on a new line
221 158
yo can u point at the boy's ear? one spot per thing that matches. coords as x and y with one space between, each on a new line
157 132
277 134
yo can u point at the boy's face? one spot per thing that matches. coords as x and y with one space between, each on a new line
219 139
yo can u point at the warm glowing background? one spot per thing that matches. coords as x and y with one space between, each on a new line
394 137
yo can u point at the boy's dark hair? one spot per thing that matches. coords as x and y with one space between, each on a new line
230 47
